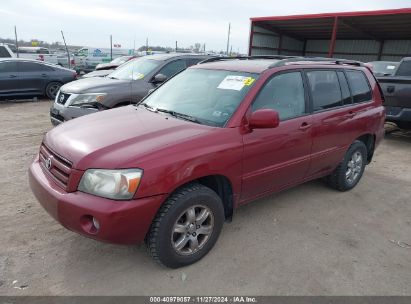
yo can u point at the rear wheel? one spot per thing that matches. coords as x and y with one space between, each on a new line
349 172
52 89
186 227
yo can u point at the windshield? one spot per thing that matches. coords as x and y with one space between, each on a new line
121 59
208 97
134 69
384 68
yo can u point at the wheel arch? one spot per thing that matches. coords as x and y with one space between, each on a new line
221 185
369 142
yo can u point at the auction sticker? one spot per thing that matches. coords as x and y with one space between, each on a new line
232 82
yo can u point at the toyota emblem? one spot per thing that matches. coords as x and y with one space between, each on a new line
47 163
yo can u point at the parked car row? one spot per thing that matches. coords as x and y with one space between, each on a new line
172 168
125 85
25 77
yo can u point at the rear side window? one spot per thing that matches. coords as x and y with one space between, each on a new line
325 90
283 93
360 87
404 69
33 67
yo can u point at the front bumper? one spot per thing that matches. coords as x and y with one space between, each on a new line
60 113
398 114
121 222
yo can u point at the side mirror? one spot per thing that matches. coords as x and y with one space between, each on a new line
264 119
159 78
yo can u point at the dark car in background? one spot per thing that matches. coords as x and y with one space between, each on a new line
25 77
128 84
397 93
115 63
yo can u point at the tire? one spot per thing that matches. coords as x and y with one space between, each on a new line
170 240
52 88
349 172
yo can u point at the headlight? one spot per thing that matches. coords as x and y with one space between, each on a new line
87 98
114 184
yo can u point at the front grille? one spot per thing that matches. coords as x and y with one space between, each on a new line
58 167
62 98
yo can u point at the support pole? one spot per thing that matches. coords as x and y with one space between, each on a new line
176 46
17 44
228 37
68 53
280 44
333 38
381 49
111 47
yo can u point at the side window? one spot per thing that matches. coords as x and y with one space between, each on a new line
3 52
325 90
193 61
345 90
173 68
283 93
33 67
359 86
8 67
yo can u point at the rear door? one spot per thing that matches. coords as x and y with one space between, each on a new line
279 157
337 114
33 76
9 78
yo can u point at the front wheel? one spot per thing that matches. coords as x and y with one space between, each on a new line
186 227
349 172
52 89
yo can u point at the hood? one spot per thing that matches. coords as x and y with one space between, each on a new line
119 138
94 85
100 73
108 65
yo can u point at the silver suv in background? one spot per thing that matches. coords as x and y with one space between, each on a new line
126 85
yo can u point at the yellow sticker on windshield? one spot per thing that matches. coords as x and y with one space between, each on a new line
248 81
138 76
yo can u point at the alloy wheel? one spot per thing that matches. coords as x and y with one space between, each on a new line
192 230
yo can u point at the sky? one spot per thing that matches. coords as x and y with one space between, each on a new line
91 22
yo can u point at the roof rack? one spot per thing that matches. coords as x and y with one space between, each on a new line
284 60
308 60
256 57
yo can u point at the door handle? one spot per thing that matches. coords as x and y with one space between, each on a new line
43 75
304 126
391 89
350 114
12 76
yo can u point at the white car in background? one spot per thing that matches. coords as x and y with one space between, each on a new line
87 58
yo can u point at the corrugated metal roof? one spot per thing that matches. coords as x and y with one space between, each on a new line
376 25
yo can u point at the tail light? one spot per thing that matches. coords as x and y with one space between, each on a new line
41 57
72 62
75 75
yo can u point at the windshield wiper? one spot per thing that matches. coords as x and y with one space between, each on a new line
150 108
180 115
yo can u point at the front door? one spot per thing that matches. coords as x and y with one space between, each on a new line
279 157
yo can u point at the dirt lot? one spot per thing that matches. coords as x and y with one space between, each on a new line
310 240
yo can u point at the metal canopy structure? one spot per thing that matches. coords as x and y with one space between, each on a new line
368 35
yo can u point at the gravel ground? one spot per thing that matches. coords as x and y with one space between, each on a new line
309 240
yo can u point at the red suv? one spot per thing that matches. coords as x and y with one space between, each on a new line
220 134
